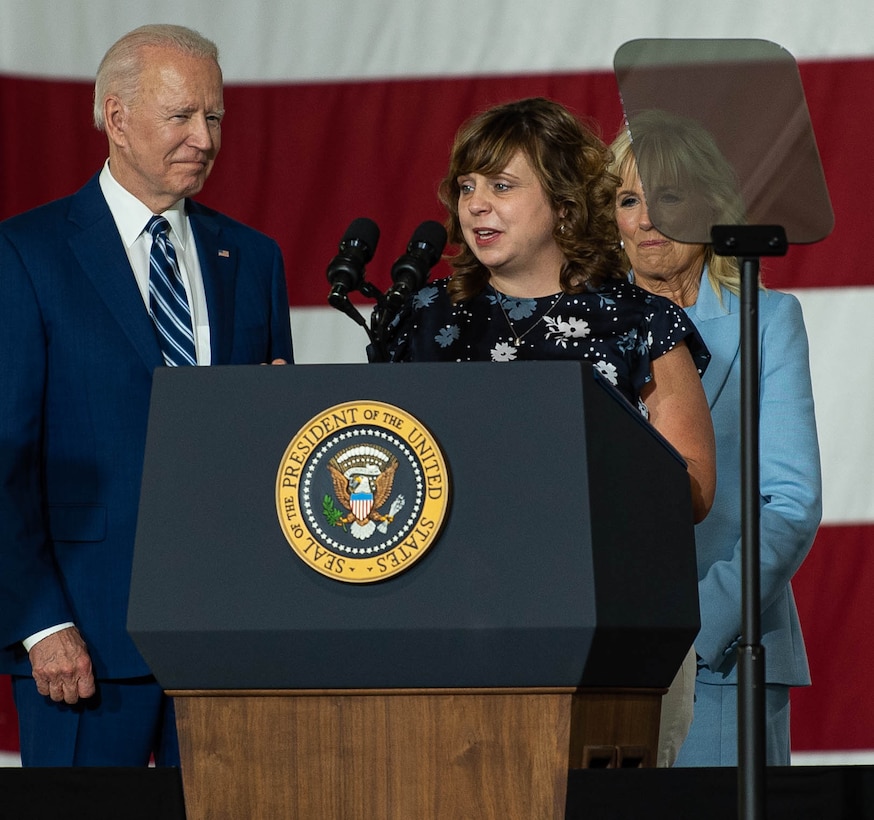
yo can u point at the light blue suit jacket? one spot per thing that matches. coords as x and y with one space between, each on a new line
790 484
77 352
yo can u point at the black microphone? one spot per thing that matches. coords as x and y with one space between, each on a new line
346 269
410 271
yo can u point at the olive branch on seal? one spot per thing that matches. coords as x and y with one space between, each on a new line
331 513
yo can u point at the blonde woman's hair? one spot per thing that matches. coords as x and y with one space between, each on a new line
681 149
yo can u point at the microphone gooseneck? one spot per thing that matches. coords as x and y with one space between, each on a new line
409 273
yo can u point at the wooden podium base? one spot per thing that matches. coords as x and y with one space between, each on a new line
402 754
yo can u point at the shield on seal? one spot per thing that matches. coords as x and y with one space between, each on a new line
362 500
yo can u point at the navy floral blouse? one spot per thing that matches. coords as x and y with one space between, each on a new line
620 328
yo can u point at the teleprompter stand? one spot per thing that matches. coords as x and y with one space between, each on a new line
536 635
748 243
767 141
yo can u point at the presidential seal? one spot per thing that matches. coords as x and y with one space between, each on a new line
362 491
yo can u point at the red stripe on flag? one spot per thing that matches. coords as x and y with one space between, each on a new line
833 590
8 720
301 161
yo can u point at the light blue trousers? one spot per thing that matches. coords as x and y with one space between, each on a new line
712 739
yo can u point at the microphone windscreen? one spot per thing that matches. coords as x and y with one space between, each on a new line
362 233
431 234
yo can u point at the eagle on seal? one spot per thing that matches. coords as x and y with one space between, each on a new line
362 491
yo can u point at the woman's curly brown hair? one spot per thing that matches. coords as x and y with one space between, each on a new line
571 163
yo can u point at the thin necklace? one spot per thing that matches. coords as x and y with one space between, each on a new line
518 337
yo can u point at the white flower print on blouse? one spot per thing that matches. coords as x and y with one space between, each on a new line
561 330
608 371
503 352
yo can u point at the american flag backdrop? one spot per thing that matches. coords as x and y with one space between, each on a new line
338 109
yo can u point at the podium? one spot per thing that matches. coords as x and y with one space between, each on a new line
536 634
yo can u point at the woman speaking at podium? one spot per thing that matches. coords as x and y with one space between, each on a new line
538 276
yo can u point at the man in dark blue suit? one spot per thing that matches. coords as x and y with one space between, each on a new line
77 351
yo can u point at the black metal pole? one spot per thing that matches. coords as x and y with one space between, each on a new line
751 654
748 243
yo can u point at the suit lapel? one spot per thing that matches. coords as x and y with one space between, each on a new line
218 264
99 251
719 325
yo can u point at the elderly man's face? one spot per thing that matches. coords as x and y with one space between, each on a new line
163 143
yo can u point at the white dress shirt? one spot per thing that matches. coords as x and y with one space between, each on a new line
130 217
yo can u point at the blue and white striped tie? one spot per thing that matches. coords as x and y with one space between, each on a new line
168 304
